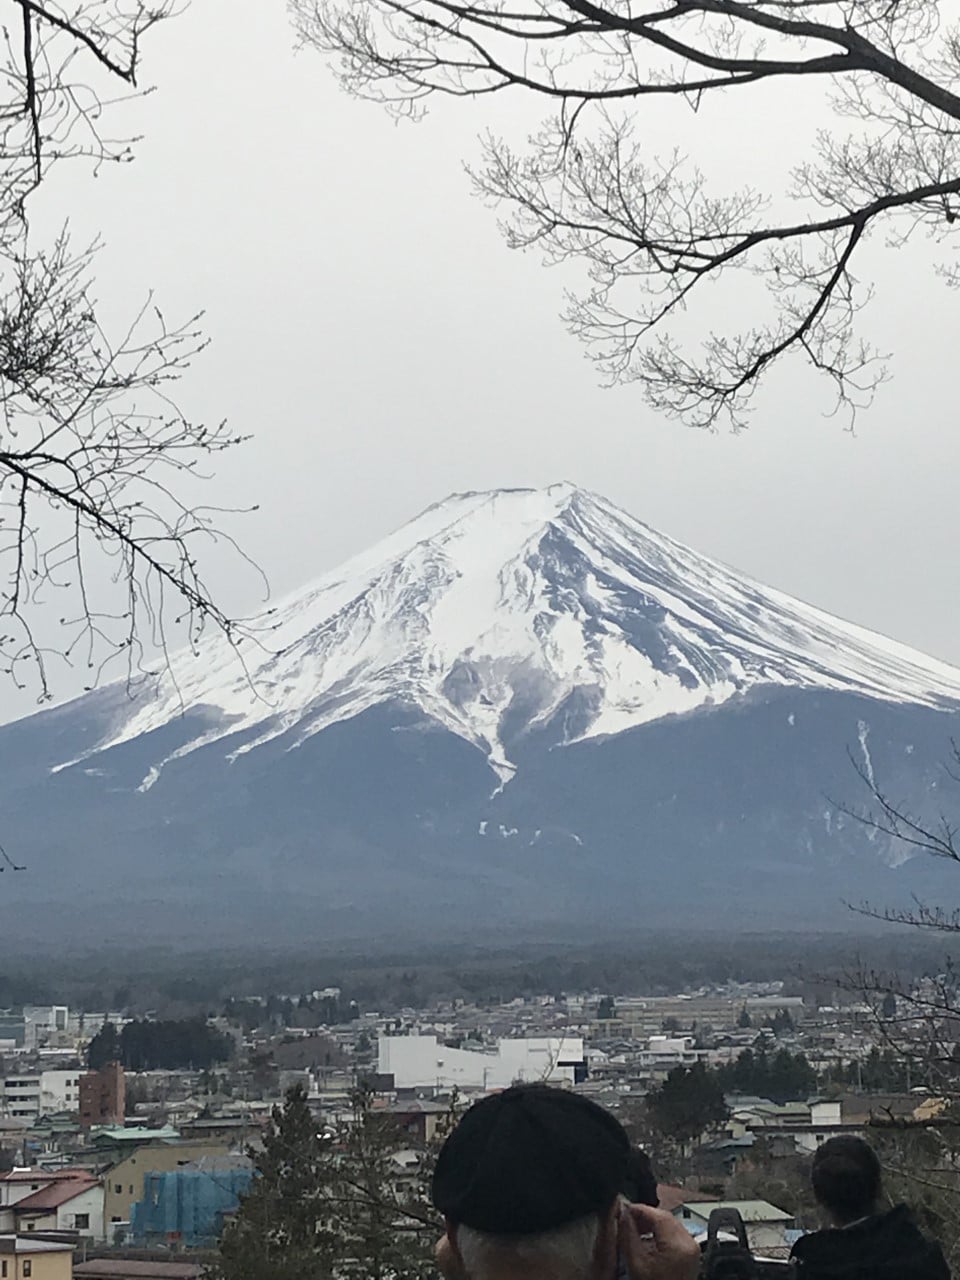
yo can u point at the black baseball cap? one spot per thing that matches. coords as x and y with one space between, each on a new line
530 1159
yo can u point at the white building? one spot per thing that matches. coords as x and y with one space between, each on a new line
26 1096
47 1200
666 1052
44 1023
424 1062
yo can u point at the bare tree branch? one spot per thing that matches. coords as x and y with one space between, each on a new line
651 236
97 462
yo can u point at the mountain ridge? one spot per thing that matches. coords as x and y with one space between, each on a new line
496 604
524 708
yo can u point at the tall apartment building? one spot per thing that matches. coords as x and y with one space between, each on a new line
103 1096
28 1095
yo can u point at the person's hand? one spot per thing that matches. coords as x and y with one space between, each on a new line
655 1246
448 1264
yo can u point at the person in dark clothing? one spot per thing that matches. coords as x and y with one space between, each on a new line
532 1185
862 1242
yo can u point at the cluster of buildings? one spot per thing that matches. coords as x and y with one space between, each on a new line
102 1163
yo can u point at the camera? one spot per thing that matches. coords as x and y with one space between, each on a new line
727 1254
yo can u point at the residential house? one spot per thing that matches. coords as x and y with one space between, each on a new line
417 1118
25 1259
234 1130
41 1200
806 1124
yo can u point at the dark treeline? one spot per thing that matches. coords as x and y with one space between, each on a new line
307 1012
692 1100
162 1045
781 1076
189 984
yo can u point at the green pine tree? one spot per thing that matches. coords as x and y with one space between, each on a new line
282 1230
324 1208
689 1103
386 1227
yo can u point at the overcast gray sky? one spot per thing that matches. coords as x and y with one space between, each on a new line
384 348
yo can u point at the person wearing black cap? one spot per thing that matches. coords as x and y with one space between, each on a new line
862 1241
530 1185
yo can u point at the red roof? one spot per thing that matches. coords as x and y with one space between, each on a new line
57 1193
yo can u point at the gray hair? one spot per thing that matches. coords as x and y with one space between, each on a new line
566 1253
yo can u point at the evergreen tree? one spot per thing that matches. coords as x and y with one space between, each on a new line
323 1207
689 1103
279 1232
781 1077
782 1023
104 1047
147 1045
386 1231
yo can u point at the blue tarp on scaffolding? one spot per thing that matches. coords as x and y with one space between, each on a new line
188 1205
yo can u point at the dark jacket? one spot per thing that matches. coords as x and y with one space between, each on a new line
887 1246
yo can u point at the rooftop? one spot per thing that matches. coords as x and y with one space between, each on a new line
58 1192
38 1175
23 1244
749 1210
128 1269
133 1133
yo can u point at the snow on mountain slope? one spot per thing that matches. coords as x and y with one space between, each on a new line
498 612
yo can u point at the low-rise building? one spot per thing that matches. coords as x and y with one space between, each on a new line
124 1181
39 1200
45 1024
187 1207
766 1225
664 1053
72 1203
29 1095
25 1259
424 1062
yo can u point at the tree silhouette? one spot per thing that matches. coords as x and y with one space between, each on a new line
280 1231
97 515
326 1202
690 1102
104 1047
654 234
162 1045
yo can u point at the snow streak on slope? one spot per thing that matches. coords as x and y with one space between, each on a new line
496 613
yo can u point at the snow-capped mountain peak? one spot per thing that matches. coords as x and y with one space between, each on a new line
499 613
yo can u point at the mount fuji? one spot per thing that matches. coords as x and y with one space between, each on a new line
525 710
